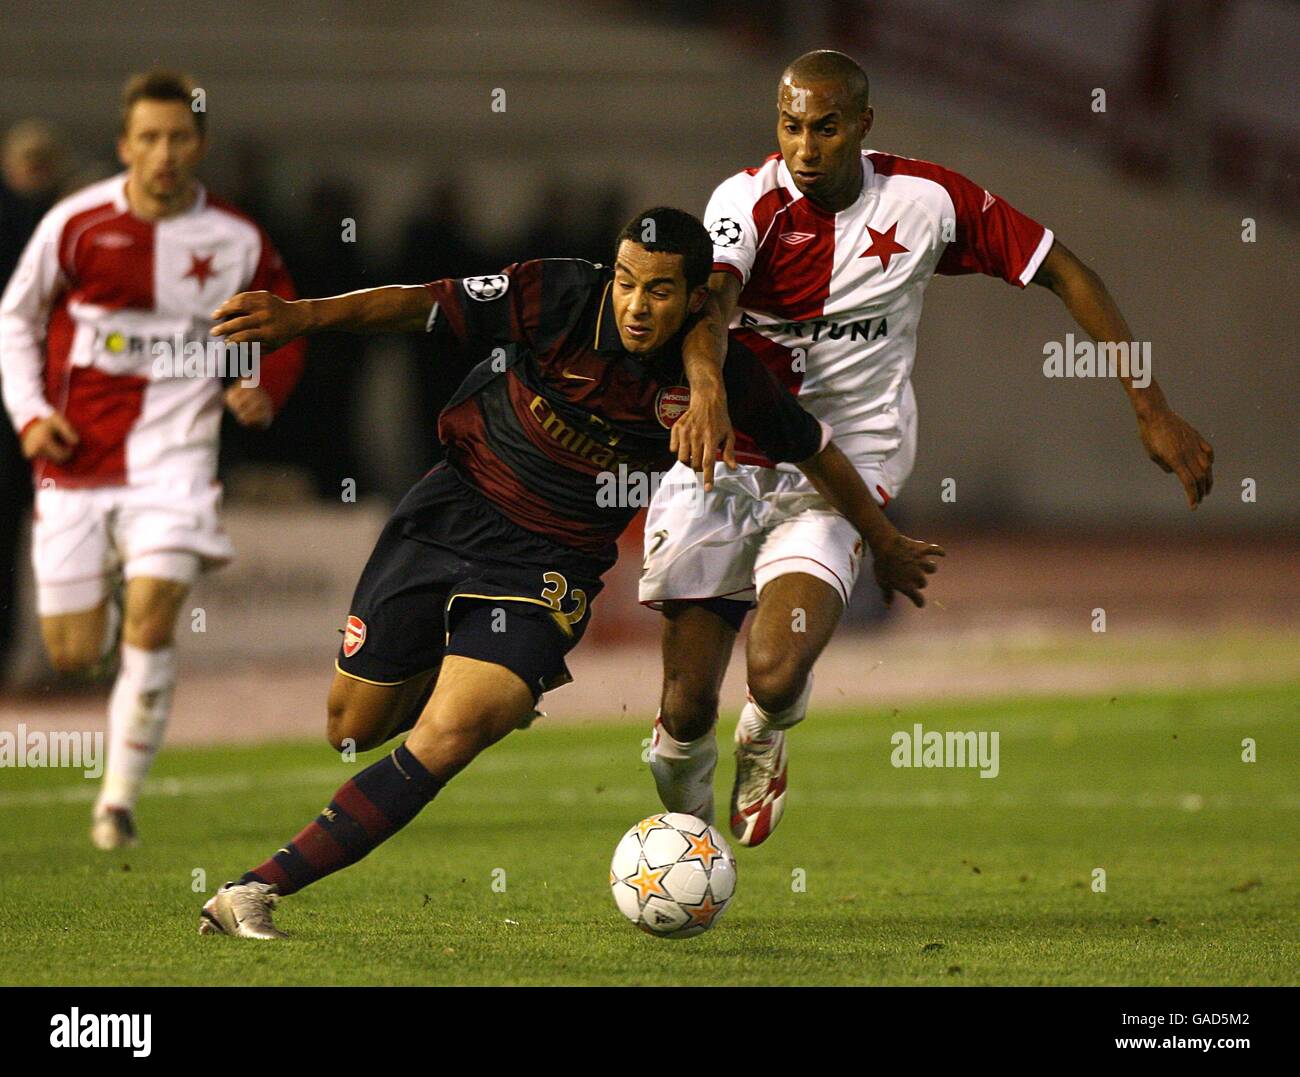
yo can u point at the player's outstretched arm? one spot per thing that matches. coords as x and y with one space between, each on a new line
695 437
1168 439
266 319
900 563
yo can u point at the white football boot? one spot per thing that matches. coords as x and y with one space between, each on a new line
113 828
762 768
758 796
241 909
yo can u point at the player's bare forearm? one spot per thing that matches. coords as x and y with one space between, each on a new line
838 481
704 348
899 563
706 424
1085 296
397 308
1168 439
266 319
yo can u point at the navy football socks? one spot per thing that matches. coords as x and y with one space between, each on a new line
367 810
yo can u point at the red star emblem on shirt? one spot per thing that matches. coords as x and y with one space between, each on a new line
200 268
883 245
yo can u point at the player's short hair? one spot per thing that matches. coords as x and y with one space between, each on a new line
161 85
827 65
673 231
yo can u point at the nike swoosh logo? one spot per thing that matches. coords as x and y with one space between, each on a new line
577 377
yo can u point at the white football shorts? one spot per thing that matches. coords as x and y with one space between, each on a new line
82 537
755 525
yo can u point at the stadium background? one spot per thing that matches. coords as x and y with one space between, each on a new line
382 114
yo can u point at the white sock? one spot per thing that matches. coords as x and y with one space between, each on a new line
757 724
137 716
683 771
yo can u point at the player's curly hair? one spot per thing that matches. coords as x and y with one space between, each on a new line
160 85
673 231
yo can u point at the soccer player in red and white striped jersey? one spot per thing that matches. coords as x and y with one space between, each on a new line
107 379
822 255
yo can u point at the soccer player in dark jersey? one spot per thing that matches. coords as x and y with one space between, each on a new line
484 577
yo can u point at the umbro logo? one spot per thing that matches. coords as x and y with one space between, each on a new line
988 201
795 238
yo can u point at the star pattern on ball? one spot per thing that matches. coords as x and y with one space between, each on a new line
649 882
655 822
702 914
702 849
883 245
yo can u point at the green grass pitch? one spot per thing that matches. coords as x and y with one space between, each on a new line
912 876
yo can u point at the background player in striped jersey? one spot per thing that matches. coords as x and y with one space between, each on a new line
484 578
821 258
124 450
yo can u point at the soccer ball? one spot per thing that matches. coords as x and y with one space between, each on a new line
672 875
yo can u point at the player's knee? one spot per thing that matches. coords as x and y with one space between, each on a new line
148 631
687 711
71 654
348 728
775 678
452 740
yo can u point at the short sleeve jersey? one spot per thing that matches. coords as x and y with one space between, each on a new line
556 420
830 302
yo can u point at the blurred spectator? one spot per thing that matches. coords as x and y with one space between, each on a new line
250 190
319 429
572 222
437 244
33 166
594 231
548 233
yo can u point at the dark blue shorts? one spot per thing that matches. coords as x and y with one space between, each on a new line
450 574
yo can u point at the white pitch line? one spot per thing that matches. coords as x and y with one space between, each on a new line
326 778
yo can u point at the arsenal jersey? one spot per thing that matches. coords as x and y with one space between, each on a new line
556 421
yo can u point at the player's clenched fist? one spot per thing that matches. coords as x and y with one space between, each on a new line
260 318
902 565
51 438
